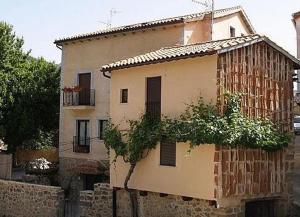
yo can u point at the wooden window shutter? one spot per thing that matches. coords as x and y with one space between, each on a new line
167 153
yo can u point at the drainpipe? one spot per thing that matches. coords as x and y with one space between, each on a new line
105 75
58 47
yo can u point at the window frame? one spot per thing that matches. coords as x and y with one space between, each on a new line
169 142
232 32
122 95
101 127
87 132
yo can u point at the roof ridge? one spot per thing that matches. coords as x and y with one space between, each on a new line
176 17
148 23
196 50
212 41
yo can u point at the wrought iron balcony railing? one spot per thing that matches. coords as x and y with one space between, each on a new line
84 97
153 109
81 144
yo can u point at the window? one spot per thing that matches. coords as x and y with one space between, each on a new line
81 142
232 32
82 133
167 153
101 128
153 97
124 95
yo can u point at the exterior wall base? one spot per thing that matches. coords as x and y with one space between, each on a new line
99 203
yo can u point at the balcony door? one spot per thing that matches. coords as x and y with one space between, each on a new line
153 97
83 133
84 81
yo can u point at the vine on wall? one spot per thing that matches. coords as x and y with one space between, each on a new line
199 124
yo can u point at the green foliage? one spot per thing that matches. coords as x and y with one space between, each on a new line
134 144
201 124
29 92
43 141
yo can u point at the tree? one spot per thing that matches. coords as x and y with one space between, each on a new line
133 146
29 92
201 123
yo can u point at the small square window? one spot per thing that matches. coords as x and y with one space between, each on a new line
232 32
124 95
101 128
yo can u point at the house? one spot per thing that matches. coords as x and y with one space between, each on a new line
85 95
238 181
296 22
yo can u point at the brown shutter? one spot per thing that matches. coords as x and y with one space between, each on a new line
153 100
85 84
167 153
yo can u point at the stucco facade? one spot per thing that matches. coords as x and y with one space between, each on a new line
182 82
296 20
224 175
88 55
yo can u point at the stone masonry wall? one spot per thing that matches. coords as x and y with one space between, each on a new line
99 203
24 200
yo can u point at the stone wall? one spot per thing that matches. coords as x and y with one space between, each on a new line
71 169
24 200
99 203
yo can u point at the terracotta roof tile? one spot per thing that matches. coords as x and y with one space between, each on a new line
161 22
199 49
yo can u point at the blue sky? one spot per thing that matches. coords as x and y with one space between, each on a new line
40 22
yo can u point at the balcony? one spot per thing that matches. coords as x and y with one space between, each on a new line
78 98
153 109
81 145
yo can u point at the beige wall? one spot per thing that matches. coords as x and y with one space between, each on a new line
222 26
297 21
193 175
194 31
89 56
183 81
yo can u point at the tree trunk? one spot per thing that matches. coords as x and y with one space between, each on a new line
132 193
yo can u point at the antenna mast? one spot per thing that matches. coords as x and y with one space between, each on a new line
112 13
208 4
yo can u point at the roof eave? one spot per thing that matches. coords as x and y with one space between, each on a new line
110 69
269 42
85 37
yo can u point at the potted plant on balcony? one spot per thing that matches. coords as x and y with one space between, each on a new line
67 89
77 88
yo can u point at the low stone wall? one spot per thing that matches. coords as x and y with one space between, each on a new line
71 169
99 203
24 200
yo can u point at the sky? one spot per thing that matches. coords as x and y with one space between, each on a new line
40 22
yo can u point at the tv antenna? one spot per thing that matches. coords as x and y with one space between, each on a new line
208 4
112 13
